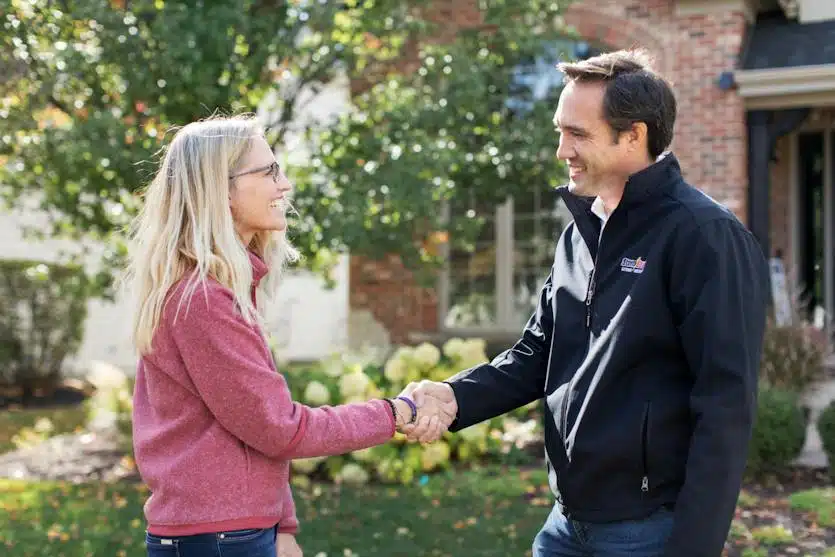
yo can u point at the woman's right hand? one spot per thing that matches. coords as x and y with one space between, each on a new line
432 416
287 546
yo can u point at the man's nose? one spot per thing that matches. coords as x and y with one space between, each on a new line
564 150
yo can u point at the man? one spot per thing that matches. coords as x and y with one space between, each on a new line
646 340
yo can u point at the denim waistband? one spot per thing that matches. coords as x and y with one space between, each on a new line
209 537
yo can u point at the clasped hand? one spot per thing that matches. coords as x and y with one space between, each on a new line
436 410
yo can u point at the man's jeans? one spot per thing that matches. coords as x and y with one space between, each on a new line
562 537
239 543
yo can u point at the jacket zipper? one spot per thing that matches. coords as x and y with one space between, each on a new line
590 294
589 299
645 448
593 280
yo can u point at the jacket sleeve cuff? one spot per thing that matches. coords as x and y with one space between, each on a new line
455 425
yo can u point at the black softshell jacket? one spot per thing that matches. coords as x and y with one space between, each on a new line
645 346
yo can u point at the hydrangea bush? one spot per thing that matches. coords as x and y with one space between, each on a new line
336 382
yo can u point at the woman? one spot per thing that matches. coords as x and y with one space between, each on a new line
214 426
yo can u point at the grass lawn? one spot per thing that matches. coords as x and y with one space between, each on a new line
488 512
494 511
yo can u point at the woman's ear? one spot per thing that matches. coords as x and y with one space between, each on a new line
231 201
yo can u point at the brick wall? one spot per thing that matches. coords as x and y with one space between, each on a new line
710 135
710 139
389 292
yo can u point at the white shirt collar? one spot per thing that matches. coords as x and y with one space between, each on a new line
599 210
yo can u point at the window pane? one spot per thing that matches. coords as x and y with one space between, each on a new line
472 282
539 218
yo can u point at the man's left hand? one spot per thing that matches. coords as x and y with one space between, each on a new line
286 546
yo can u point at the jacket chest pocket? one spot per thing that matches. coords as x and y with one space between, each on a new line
616 290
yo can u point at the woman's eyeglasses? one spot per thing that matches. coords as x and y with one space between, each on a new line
274 169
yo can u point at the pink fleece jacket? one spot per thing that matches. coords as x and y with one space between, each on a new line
215 428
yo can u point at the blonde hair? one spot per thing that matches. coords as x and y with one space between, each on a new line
185 226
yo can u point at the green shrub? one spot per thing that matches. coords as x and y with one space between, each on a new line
826 429
779 432
335 382
41 321
793 356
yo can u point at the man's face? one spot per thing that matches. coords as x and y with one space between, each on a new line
596 159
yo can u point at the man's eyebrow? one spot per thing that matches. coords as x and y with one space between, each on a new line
573 129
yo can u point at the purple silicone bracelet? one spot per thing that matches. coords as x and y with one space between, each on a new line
412 406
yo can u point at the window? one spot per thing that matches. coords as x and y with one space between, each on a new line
472 295
538 218
815 222
494 287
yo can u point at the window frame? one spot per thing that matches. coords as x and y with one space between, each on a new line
506 323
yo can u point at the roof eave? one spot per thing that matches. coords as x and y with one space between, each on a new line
787 87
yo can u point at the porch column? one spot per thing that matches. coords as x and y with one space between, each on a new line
759 195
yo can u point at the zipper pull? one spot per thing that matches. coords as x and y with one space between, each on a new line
645 484
589 296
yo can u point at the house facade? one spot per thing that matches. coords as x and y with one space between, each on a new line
755 82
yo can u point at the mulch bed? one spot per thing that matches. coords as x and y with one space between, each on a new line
78 457
766 525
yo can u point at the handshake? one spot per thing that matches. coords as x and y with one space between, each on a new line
436 410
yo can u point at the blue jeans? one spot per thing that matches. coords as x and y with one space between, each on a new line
564 537
237 543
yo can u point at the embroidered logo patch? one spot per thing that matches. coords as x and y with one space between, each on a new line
632 265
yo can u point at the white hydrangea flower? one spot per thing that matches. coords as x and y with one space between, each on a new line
473 351
354 384
404 353
301 482
333 367
364 455
316 394
427 354
434 454
353 473
306 465
395 370
453 347
43 425
476 432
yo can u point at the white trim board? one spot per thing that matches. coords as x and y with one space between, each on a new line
787 87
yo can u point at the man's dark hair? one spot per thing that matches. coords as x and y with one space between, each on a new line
634 93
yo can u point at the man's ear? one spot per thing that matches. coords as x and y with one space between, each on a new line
637 136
